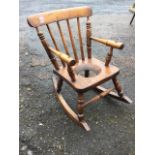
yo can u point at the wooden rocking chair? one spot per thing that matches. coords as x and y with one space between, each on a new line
71 68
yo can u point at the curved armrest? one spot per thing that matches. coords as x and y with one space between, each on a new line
64 57
107 42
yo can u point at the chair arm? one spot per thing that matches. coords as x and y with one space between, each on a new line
107 42
64 57
132 8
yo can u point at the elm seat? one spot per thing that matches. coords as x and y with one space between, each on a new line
82 83
82 72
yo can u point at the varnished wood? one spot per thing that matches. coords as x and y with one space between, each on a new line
52 37
54 42
88 35
63 39
115 95
70 113
81 74
72 41
80 39
109 56
58 15
59 84
117 86
50 55
94 99
70 72
70 61
83 84
80 102
107 42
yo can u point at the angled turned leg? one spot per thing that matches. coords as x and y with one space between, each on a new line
77 118
80 114
119 95
120 91
59 84
80 101
117 86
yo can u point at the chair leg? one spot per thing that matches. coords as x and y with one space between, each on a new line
68 110
132 18
80 114
59 84
80 102
117 86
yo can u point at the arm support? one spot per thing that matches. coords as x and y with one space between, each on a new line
64 57
67 59
107 42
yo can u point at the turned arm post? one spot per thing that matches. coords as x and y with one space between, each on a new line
67 59
109 56
71 73
112 44
88 36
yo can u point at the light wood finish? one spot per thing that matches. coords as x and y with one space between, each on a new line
70 113
109 56
82 74
117 86
88 35
94 99
83 84
59 85
107 42
80 39
63 39
58 15
54 42
115 95
70 72
72 41
70 61
80 102
52 37
45 45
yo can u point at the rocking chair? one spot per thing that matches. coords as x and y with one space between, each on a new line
71 68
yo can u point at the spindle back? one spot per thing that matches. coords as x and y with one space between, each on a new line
47 18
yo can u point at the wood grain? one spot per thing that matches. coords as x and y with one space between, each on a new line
58 15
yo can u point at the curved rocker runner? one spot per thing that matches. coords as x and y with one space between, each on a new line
81 73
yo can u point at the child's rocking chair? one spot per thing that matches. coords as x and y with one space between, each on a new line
71 68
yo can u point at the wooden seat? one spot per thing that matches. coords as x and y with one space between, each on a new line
82 72
100 74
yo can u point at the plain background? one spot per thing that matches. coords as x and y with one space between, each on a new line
145 77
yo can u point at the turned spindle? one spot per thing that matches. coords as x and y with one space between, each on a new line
46 46
109 56
88 35
117 86
71 73
80 102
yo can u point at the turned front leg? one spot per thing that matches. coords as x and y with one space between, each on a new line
59 84
117 86
80 102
